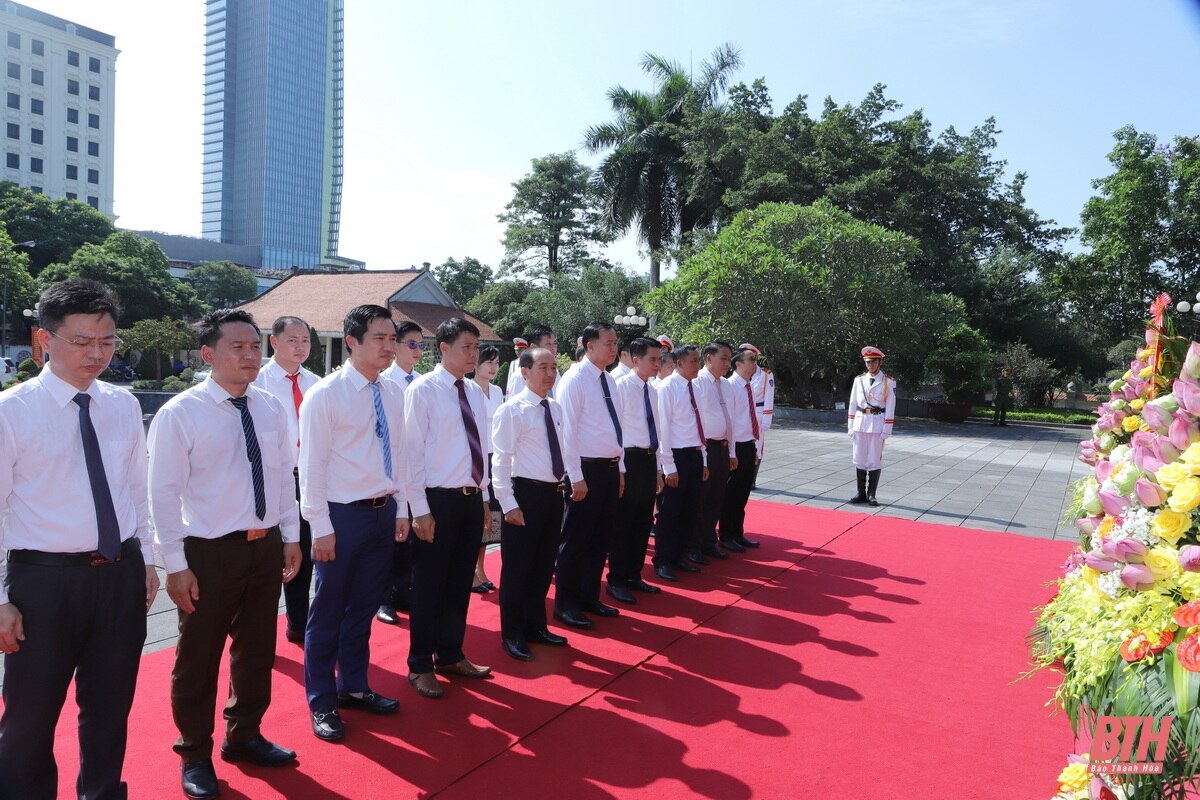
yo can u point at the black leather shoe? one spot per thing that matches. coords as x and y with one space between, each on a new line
639 585
871 501
733 545
621 594
370 701
544 636
387 615
517 649
600 609
712 551
744 542
574 619
257 750
684 566
664 572
858 499
295 637
327 725
696 557
200 780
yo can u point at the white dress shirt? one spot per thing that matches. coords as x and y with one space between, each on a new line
398 376
341 458
436 437
200 479
274 379
634 425
587 425
714 398
521 448
620 371
491 401
677 428
741 409
45 494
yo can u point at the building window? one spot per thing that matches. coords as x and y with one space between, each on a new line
72 58
72 172
14 70
14 130
72 196
93 176
93 92
37 77
39 47
36 189
93 120
73 115
14 100
94 201
94 149
93 64
36 135
72 144
14 39
13 161
36 106
35 165
72 86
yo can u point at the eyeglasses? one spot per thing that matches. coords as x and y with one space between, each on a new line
102 342
416 345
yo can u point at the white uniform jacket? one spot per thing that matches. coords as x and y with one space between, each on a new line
869 393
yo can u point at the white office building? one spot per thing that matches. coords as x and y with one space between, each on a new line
59 87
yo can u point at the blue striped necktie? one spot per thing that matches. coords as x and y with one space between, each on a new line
381 429
254 455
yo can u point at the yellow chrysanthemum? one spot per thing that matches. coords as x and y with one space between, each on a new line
1137 403
1131 423
1075 777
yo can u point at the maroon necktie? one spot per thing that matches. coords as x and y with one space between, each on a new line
753 413
696 410
464 405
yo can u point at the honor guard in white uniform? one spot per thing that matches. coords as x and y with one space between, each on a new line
667 365
515 382
762 385
870 414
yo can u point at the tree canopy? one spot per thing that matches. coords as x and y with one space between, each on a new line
57 228
158 336
223 284
464 279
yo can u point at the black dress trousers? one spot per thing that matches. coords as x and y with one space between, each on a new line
737 492
713 495
679 515
527 555
630 536
586 530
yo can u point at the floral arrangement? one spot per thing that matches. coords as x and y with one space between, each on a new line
1124 625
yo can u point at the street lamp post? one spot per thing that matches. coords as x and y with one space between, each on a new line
629 318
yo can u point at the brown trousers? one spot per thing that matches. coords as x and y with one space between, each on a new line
239 599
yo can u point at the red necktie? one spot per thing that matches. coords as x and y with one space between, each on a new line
297 396
699 424
753 414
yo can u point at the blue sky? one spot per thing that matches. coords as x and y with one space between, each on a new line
447 102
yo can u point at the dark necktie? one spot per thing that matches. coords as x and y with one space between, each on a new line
108 532
753 413
612 410
254 455
468 416
381 429
556 460
696 411
409 378
650 417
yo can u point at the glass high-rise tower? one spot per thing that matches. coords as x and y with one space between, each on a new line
273 128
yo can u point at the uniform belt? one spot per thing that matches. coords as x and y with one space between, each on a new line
93 559
248 535
610 462
873 410
371 502
463 490
641 451
761 403
554 487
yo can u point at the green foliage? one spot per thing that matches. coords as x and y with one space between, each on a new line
574 303
147 385
223 284
464 279
553 220
503 306
187 374
58 227
28 365
162 337
316 353
809 286
1058 415
963 361
1034 378
137 270
21 289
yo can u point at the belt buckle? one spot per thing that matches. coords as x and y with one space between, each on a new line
98 560
469 491
255 533
379 502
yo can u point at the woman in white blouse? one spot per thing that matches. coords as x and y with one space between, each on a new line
485 373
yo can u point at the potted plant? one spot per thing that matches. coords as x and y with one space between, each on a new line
962 360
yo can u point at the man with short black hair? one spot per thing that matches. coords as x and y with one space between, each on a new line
538 336
222 500
746 434
714 398
352 488
78 576
287 380
624 359
444 419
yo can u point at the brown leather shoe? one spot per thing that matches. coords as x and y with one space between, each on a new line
465 669
426 684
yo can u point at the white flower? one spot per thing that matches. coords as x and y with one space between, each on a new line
1110 583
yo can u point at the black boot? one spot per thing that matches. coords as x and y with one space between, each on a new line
872 486
861 497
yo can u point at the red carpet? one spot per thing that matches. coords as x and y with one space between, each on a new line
849 657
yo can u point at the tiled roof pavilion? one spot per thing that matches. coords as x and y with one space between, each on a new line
323 298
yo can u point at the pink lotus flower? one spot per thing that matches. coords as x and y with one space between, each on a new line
1183 432
1148 493
1100 562
1128 550
1112 503
1137 577
1103 469
1089 524
1157 417
1087 452
1106 422
1189 557
1187 394
1191 362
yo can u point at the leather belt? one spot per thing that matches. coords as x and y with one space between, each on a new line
719 441
608 462
873 410
42 558
371 502
249 535
641 451
463 490
535 484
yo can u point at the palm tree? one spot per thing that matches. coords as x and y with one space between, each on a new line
641 182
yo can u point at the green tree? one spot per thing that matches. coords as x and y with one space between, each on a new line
962 361
553 220
643 177
137 270
57 227
502 305
464 279
1034 378
599 293
223 284
19 288
162 337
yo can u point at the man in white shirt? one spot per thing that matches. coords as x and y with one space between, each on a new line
287 380
763 386
410 348
684 459
78 576
870 414
444 419
527 475
222 500
624 360
596 468
538 336
746 435
353 470
643 478
715 398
